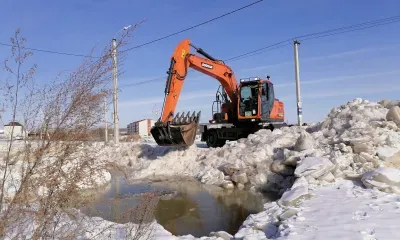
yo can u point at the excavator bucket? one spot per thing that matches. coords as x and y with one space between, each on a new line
181 131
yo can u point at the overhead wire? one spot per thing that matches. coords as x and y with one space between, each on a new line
396 17
305 37
326 33
143 44
195 26
351 30
53 52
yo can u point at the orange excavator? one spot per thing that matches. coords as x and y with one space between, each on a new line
239 109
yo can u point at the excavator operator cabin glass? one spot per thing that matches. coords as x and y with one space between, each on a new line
249 100
267 100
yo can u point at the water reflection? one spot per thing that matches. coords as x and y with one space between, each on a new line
186 207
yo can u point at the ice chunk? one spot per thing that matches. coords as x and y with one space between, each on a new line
290 157
288 214
250 234
240 177
390 103
280 168
304 142
265 221
328 177
212 177
386 152
296 193
384 179
314 166
359 147
229 169
228 185
394 115
221 234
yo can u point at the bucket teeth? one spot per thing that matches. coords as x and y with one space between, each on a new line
175 119
186 118
193 117
181 118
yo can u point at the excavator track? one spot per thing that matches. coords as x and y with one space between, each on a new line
181 131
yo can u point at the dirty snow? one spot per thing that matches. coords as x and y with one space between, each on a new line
308 165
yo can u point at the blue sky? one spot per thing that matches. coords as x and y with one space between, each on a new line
333 70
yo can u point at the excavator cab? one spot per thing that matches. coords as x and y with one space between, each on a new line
257 101
249 100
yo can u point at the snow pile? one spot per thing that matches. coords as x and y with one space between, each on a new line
304 164
245 163
355 138
353 133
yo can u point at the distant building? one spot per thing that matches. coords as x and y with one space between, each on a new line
123 131
19 131
141 127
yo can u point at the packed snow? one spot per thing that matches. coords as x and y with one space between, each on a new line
338 178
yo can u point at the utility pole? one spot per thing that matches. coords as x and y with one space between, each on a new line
115 95
297 74
105 121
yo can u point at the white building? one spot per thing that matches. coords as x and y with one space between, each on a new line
141 127
18 133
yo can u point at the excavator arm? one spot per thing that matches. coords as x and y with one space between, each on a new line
175 129
181 61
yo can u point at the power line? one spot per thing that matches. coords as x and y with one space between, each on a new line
397 17
191 70
53 52
310 36
144 44
352 30
264 49
326 33
195 26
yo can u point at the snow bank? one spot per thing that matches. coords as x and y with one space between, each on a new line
366 214
252 156
304 164
354 138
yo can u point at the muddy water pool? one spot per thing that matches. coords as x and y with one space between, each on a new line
183 207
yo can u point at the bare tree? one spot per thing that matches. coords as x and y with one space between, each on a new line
41 178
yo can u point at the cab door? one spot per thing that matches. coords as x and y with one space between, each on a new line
267 100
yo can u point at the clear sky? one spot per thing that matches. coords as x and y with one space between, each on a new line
333 70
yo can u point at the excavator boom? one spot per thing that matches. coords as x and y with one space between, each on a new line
180 130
